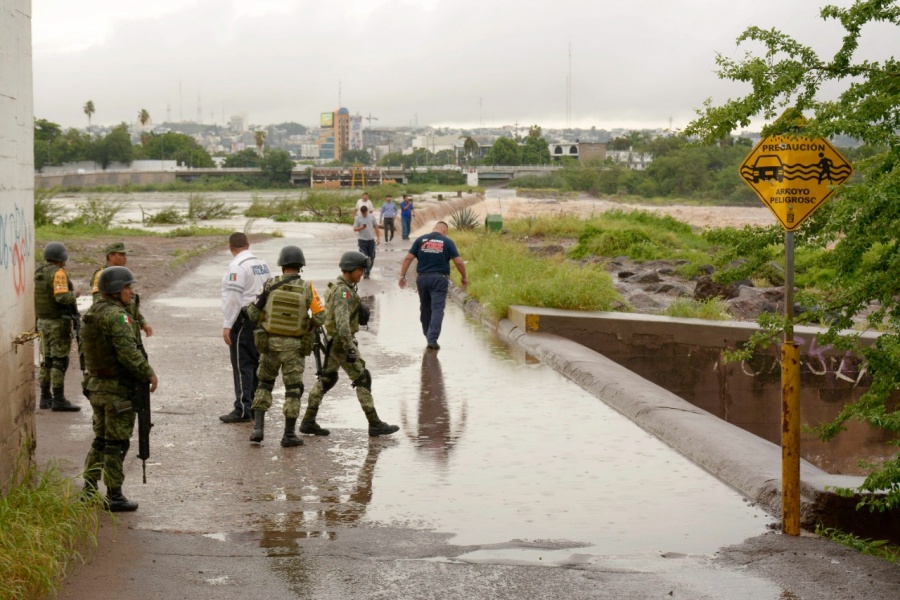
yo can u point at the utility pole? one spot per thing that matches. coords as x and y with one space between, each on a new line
370 118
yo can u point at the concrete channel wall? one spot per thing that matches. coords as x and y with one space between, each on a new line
16 234
575 344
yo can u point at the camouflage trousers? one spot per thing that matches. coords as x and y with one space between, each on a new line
56 343
359 377
113 423
291 364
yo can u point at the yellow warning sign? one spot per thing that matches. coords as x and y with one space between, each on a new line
794 176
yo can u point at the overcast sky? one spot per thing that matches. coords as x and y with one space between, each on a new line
634 64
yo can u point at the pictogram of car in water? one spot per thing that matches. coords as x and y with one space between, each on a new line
768 166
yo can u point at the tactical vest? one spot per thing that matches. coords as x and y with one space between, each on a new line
287 309
45 306
99 353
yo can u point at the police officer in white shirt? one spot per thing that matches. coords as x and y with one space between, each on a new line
243 281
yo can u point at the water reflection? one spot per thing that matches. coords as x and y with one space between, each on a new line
433 430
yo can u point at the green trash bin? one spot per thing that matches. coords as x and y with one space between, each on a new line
493 223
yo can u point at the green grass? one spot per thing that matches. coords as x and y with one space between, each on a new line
711 310
880 548
43 530
503 273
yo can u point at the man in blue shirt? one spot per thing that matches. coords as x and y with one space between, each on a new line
388 213
434 252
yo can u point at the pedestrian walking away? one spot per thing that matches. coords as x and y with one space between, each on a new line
242 283
407 212
117 364
388 213
343 312
434 252
364 201
57 315
117 256
285 313
367 236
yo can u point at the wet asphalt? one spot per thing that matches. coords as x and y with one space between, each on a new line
505 480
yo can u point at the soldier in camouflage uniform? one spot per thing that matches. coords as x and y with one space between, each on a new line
117 256
116 361
342 308
284 339
54 306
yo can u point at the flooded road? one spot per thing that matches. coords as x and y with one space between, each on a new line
506 480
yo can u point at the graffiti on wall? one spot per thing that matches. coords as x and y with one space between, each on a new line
819 360
16 235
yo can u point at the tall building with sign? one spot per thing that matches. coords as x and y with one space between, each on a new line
334 136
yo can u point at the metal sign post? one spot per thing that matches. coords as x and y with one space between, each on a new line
793 177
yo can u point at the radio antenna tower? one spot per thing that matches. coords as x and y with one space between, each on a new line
569 91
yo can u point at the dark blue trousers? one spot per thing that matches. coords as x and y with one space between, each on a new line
432 288
244 361
367 247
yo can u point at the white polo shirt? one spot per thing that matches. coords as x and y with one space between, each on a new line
241 284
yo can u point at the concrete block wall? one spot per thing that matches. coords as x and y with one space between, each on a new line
16 233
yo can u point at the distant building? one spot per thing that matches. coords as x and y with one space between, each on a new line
636 161
334 136
580 151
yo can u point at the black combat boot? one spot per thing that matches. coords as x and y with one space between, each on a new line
46 396
309 426
312 428
259 426
60 403
290 438
382 428
117 502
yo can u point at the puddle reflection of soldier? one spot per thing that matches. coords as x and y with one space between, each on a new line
434 427
340 508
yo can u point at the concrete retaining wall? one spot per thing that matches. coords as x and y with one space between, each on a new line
104 178
16 233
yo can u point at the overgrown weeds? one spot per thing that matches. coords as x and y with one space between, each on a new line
504 273
46 210
98 211
44 528
711 310
880 548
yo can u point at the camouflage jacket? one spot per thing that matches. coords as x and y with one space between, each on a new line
342 312
112 348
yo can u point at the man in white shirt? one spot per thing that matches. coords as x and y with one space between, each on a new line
364 201
243 281
367 235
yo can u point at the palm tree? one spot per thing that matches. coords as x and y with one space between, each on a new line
470 146
144 118
89 110
260 141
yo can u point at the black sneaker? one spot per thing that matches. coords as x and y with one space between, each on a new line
434 346
236 417
382 428
312 428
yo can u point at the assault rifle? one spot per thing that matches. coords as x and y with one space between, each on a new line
141 405
318 347
75 317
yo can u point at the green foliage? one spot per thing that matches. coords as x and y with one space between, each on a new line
711 310
46 211
113 147
438 178
860 224
640 235
353 157
880 548
194 230
175 146
315 206
166 216
98 212
204 207
243 159
276 166
504 273
464 218
505 151
43 529
535 151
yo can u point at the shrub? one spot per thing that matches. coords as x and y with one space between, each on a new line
46 211
167 216
98 212
204 207
464 218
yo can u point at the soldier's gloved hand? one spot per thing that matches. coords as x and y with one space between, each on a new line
352 355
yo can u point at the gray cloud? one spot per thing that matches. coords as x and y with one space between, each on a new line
443 62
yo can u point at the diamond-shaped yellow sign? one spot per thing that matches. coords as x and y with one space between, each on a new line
794 176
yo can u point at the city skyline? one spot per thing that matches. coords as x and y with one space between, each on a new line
463 64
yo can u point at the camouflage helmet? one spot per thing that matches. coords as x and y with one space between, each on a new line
56 251
354 260
113 279
291 255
